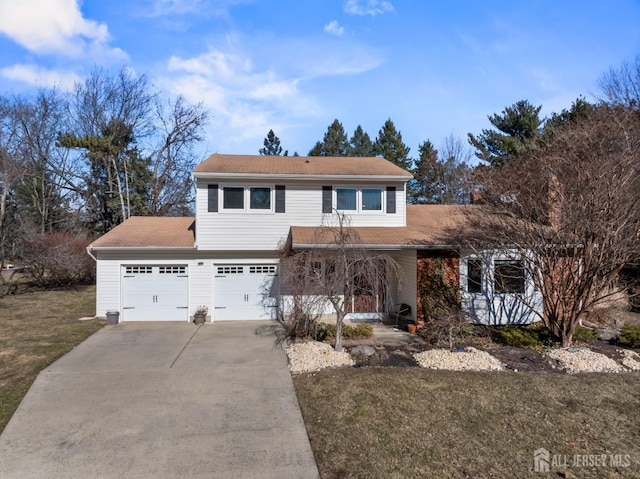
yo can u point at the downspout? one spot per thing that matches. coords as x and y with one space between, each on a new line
89 252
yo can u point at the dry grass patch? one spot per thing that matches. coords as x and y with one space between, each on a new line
36 328
396 422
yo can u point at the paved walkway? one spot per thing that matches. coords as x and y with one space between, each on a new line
162 400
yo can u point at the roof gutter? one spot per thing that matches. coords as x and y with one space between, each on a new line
375 246
300 176
139 248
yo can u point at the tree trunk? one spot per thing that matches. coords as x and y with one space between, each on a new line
339 319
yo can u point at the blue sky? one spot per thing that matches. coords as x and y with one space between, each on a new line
435 68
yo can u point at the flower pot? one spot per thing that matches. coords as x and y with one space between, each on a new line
412 328
199 318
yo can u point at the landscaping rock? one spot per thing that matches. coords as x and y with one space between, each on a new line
470 359
605 334
630 359
583 360
362 351
313 356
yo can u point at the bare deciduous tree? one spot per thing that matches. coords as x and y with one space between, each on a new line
338 272
621 86
572 209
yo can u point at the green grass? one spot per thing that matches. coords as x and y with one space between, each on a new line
409 422
36 328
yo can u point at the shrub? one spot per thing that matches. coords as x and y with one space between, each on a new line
630 336
57 259
450 328
324 331
532 337
297 326
584 334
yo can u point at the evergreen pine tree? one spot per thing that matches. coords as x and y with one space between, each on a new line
517 131
360 143
272 146
389 145
334 143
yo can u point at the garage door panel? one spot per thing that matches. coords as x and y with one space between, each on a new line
155 293
243 292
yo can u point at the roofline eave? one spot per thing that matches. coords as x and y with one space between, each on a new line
377 246
142 248
304 177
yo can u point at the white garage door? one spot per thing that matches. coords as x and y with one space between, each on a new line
244 291
155 293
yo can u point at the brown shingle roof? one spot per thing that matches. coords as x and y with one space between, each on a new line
302 166
150 231
427 225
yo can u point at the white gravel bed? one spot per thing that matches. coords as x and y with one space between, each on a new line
471 359
314 356
583 360
630 359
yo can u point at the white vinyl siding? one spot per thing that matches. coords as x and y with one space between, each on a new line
407 287
263 231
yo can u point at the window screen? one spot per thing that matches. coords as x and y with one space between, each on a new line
371 199
234 198
260 198
346 198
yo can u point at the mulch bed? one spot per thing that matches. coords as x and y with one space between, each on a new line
520 359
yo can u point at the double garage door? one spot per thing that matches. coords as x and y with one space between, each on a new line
155 293
161 292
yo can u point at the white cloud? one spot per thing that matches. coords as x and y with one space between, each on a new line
333 28
38 76
55 27
244 101
249 93
370 7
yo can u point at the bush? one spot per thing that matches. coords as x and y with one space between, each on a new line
630 336
532 337
448 327
57 259
584 334
328 331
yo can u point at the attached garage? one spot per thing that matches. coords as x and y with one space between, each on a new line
244 291
155 293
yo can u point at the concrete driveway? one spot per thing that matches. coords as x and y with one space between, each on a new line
162 400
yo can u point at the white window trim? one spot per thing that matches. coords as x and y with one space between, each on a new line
247 199
359 188
488 259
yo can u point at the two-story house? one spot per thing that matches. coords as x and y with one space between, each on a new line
162 269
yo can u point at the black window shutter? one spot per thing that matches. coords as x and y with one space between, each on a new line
391 199
326 199
280 198
212 200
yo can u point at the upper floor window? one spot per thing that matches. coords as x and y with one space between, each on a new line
359 199
236 198
346 199
371 199
233 198
260 198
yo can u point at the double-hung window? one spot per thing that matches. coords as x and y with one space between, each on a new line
359 199
371 199
508 276
346 199
249 199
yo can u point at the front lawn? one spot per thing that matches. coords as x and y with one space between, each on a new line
36 328
410 422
